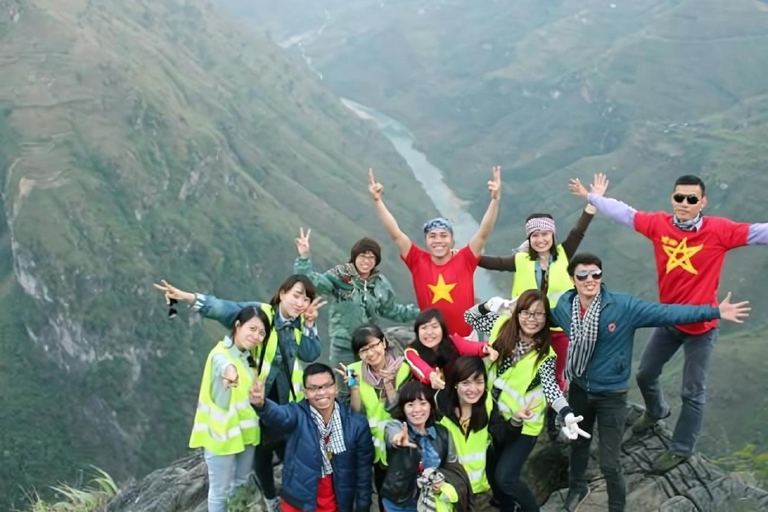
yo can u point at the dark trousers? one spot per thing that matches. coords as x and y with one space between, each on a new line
264 469
506 466
610 412
379 472
662 345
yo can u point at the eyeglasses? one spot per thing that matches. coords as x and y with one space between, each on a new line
368 348
584 274
315 389
691 198
172 310
538 315
465 384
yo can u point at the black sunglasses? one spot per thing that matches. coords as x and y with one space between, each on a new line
692 198
584 274
172 310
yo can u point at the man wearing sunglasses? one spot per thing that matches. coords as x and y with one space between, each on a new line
329 450
601 325
690 250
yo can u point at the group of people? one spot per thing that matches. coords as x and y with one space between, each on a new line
451 419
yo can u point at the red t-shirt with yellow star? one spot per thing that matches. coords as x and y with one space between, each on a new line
449 288
689 263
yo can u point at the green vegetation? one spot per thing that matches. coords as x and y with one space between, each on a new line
748 460
89 499
142 140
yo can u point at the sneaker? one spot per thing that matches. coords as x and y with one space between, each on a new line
273 505
643 424
667 461
575 499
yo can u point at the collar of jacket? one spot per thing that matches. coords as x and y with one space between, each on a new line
606 296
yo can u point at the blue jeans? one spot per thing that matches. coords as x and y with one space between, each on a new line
225 474
662 345
392 507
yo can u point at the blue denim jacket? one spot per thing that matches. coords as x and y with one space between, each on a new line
225 312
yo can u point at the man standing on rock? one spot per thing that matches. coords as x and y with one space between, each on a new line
601 326
690 251
442 279
329 450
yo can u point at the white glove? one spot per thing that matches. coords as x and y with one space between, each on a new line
523 247
571 429
494 304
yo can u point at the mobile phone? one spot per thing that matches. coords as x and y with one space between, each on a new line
350 372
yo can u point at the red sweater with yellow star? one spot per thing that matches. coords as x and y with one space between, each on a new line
449 287
689 263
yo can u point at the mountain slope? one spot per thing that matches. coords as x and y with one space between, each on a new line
140 140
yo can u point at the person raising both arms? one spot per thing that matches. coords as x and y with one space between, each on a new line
358 294
542 265
689 249
442 279
292 312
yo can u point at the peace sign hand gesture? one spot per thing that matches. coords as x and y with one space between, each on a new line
494 184
302 243
374 187
256 393
401 439
526 413
171 292
310 314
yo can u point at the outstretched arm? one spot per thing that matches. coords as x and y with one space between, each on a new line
477 243
387 219
647 314
224 311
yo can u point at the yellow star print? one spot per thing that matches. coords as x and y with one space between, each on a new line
680 254
441 290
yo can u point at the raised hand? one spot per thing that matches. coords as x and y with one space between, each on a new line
491 353
302 243
374 187
571 428
230 378
577 188
310 314
599 184
256 393
494 304
494 184
436 380
734 312
401 439
171 292
343 370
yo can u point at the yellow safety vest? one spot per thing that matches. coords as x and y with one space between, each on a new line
375 408
559 281
514 384
225 431
297 374
471 450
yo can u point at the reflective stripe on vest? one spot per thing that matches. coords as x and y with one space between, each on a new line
558 280
225 431
471 450
297 374
376 409
514 384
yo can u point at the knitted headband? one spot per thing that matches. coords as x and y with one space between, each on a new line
539 224
438 223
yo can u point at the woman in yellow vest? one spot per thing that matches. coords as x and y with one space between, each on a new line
293 339
465 406
374 381
522 381
226 426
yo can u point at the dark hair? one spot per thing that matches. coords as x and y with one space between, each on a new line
415 390
361 335
690 179
509 334
317 369
444 352
459 370
583 258
531 251
246 314
289 283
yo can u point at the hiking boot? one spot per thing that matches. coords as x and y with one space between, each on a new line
667 461
575 499
643 424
